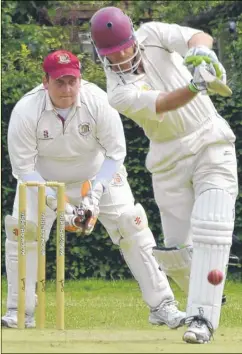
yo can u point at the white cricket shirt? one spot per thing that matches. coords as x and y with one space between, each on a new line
70 151
163 47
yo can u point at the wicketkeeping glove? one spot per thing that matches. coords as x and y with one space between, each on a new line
73 217
196 55
90 206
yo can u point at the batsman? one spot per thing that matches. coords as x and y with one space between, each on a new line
161 77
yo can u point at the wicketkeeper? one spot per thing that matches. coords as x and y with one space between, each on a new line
192 154
65 130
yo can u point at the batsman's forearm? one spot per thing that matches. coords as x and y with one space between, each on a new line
199 39
174 100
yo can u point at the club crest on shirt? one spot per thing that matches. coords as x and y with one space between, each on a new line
64 59
84 129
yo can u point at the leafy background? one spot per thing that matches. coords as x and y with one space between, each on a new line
29 34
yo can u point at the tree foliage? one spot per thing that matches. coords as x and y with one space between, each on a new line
25 43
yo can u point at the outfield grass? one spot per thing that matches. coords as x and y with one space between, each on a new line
103 316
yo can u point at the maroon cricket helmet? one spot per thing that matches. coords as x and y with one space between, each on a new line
111 30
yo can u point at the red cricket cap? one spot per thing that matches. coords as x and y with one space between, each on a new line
61 63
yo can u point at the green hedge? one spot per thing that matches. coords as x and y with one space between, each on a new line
23 49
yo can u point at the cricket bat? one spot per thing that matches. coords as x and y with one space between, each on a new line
214 84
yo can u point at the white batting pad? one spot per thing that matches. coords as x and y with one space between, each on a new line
11 256
176 263
12 229
136 246
212 223
32 213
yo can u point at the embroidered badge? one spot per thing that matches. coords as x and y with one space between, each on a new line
137 220
117 180
45 134
201 311
84 129
64 59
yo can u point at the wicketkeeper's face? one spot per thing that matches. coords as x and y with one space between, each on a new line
63 91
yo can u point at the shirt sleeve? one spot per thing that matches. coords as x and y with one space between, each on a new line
110 132
135 103
36 177
22 144
107 171
22 148
172 36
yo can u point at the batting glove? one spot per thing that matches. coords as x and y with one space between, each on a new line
196 55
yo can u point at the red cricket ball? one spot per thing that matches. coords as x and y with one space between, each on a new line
215 277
